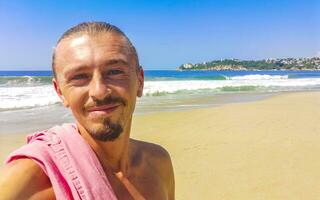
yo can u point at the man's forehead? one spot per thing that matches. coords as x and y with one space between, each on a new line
78 41
82 39
83 49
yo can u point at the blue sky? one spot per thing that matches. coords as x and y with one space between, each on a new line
165 33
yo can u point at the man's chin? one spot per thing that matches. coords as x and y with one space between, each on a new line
106 131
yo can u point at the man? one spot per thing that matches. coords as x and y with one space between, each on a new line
97 75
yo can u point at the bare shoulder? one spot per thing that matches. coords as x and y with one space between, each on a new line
24 179
153 152
159 159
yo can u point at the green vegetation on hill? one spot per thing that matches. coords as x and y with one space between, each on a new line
267 64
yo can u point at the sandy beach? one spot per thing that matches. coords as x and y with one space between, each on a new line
266 149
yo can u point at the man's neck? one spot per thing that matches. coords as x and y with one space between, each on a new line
114 158
113 155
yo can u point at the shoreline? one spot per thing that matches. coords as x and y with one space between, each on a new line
34 119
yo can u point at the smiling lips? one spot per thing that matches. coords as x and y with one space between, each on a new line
103 110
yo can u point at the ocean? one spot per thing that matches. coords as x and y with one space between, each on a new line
27 96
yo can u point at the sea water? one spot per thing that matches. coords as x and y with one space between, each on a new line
29 95
30 89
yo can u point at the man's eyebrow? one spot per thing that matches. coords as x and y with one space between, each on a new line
76 69
80 68
116 61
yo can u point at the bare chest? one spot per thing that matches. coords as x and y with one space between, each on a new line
149 185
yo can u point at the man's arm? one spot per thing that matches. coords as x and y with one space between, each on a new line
165 168
169 174
24 179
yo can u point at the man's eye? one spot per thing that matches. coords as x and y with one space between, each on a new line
115 72
79 77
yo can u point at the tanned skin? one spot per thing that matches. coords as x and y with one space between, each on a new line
92 67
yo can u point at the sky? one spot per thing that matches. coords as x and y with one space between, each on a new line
165 33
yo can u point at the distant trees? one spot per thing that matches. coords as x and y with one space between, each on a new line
269 64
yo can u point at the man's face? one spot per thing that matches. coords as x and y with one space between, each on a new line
98 79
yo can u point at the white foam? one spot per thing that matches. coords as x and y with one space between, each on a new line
153 87
22 97
259 77
34 96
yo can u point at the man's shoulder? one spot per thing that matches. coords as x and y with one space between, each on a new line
150 150
24 178
154 156
23 165
157 160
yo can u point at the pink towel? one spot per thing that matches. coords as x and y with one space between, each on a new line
71 165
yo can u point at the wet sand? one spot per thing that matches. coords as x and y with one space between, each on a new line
267 149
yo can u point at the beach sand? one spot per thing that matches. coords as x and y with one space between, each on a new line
267 149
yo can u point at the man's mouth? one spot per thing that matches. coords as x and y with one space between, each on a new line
103 109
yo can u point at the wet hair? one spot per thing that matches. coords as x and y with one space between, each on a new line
93 28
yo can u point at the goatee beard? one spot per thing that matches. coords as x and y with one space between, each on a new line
110 133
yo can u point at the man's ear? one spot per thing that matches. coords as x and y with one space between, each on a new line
140 82
58 91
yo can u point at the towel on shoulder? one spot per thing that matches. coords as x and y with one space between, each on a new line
71 165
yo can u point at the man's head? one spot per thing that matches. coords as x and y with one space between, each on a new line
93 28
97 75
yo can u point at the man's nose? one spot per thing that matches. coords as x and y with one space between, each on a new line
99 88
